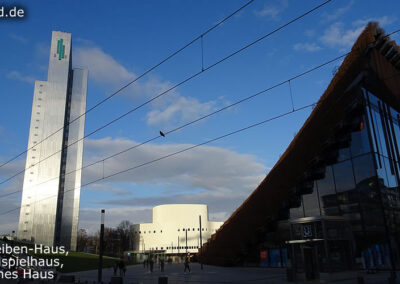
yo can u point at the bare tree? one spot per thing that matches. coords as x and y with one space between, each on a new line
82 240
124 231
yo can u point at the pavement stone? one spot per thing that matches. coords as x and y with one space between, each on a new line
137 274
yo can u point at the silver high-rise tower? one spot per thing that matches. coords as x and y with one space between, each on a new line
51 191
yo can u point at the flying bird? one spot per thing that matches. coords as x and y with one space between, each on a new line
162 133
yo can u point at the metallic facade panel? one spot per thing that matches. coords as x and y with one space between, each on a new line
55 101
70 210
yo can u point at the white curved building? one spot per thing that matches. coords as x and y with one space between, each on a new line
174 227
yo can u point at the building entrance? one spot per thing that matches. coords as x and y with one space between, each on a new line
319 244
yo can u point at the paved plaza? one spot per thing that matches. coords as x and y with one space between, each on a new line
213 274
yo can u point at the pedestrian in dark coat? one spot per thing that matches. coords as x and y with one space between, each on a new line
151 265
162 265
187 264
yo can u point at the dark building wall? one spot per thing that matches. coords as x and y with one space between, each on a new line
311 178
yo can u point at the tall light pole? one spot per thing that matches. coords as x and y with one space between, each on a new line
103 212
186 240
201 245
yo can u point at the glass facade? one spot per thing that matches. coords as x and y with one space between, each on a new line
351 218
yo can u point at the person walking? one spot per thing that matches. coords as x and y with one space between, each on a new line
186 264
162 265
151 264
123 268
115 268
121 265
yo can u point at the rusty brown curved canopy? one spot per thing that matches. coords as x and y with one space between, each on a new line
374 58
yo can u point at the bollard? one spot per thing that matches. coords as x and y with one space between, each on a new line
162 280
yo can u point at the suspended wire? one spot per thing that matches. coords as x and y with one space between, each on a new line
312 105
194 121
202 54
208 115
175 153
134 80
172 88
291 95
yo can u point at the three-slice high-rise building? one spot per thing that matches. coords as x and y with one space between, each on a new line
51 190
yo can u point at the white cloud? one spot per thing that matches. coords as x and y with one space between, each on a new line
311 47
272 10
337 36
182 109
210 175
102 67
18 38
383 21
310 33
20 77
204 167
9 221
42 49
89 217
338 13
9 170
170 108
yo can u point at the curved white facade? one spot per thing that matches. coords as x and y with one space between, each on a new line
174 227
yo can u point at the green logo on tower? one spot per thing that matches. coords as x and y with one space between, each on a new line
60 49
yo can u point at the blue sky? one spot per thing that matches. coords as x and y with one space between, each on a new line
120 41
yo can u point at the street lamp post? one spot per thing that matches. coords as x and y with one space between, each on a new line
186 247
103 212
201 244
